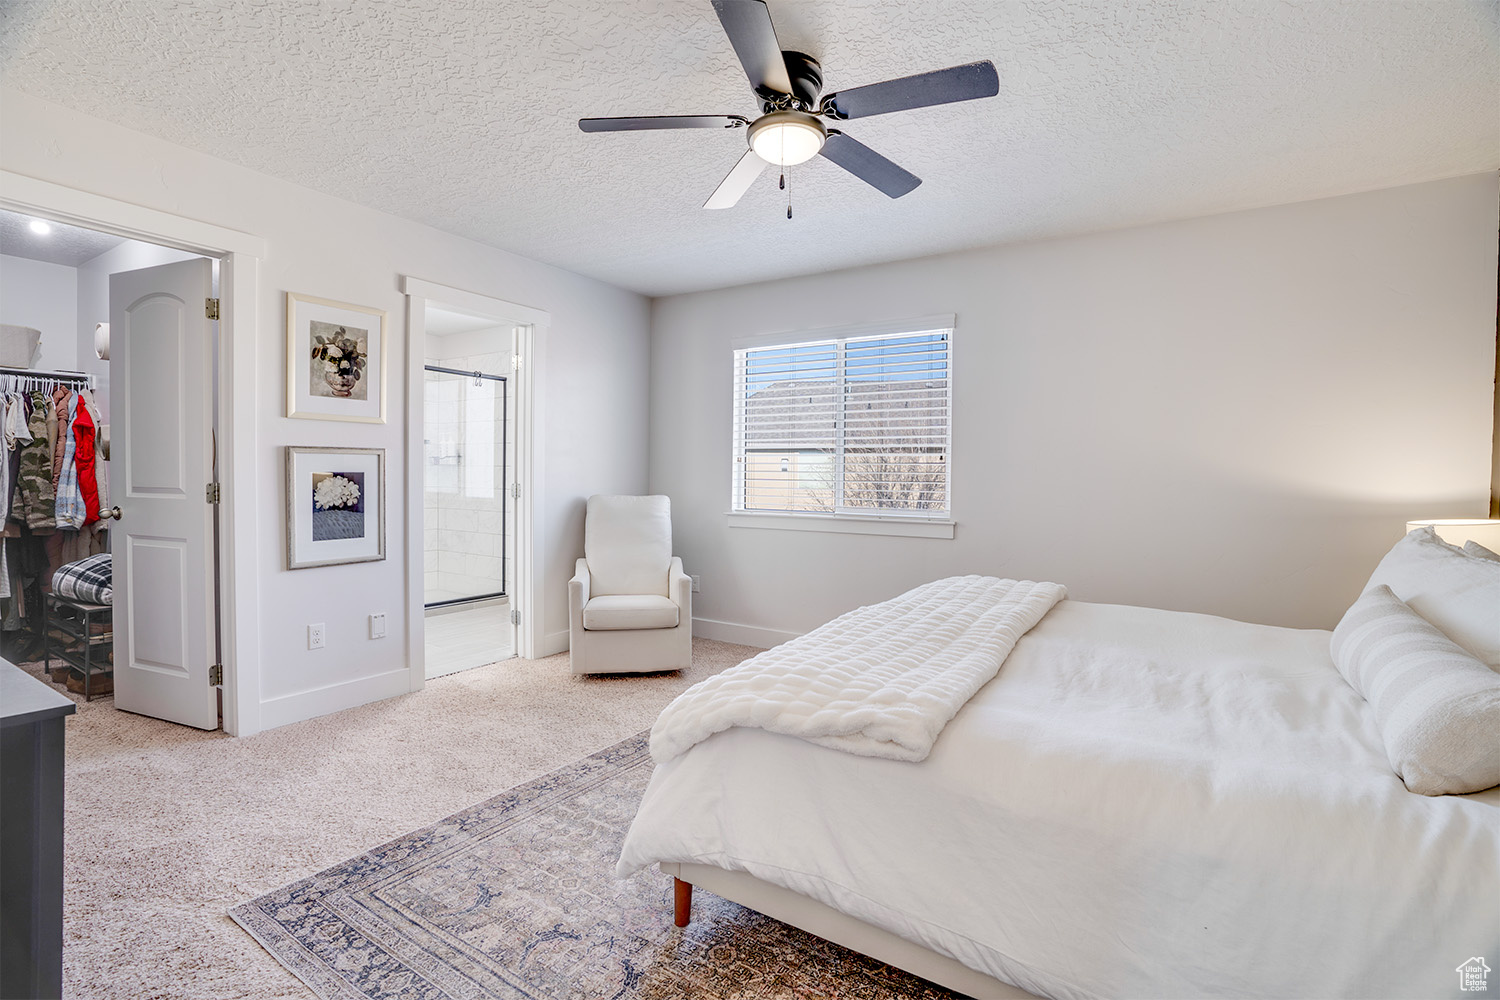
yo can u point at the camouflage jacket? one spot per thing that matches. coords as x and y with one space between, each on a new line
35 501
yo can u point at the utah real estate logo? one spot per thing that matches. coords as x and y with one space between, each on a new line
1472 975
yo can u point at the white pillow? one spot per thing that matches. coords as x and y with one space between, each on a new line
1458 593
1473 548
1437 707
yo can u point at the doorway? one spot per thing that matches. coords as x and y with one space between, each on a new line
467 476
108 325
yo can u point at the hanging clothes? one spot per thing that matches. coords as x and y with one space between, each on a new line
13 610
83 458
34 493
4 464
101 465
57 417
17 436
69 506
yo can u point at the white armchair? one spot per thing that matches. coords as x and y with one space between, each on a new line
630 606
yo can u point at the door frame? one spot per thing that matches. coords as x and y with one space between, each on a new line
531 328
239 255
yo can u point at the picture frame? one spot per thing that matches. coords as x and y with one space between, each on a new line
335 506
335 360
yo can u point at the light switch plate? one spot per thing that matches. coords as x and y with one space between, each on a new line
377 625
697 583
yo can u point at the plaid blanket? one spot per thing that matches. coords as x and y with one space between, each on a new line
88 580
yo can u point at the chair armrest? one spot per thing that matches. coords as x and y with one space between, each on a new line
680 587
578 587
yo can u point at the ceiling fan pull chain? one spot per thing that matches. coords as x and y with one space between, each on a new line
783 175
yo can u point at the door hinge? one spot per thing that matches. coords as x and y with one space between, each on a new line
515 617
515 491
515 362
216 675
211 492
211 308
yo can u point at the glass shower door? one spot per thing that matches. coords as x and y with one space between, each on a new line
464 486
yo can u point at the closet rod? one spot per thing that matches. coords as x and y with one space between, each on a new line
73 378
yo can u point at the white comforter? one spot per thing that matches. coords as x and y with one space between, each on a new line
1141 804
880 681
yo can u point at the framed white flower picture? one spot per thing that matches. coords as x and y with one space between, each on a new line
335 506
335 360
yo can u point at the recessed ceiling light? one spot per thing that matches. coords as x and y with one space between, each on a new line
40 228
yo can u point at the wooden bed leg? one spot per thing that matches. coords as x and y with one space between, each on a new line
682 902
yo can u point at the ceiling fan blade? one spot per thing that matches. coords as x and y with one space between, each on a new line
748 25
660 121
728 193
942 86
868 165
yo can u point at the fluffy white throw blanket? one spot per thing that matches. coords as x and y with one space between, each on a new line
880 681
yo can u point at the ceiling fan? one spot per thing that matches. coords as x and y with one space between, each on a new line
790 128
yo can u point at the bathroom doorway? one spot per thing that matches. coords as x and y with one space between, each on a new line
468 475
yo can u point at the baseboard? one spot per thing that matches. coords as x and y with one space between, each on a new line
553 642
333 698
744 635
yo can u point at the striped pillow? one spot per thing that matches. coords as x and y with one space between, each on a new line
1437 707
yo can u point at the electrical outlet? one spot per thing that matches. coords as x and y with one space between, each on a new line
377 625
697 583
315 636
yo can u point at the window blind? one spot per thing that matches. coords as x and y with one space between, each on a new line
854 425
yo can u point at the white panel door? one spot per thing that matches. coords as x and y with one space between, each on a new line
161 460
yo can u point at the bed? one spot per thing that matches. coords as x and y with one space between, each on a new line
1140 803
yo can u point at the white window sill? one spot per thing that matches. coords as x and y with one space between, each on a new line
851 524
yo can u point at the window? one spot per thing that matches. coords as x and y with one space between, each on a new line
854 426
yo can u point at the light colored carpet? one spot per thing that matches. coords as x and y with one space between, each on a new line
516 897
169 827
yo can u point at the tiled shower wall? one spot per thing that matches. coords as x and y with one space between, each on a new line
465 476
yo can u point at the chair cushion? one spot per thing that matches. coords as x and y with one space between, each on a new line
629 611
628 544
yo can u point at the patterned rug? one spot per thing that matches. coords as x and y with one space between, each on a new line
517 898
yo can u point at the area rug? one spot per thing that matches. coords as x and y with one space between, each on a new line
517 898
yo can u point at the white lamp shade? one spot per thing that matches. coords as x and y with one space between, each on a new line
1457 530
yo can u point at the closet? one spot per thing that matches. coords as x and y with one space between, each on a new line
54 490
59 286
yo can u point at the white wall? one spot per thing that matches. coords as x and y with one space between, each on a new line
1232 415
593 421
43 296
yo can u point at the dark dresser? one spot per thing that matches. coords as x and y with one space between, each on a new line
31 834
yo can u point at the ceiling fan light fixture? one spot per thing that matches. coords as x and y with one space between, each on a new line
785 138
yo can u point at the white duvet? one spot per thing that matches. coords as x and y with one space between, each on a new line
880 681
1140 804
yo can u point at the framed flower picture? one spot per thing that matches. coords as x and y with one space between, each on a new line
335 506
335 360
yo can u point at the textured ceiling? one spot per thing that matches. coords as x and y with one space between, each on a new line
462 114
67 245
